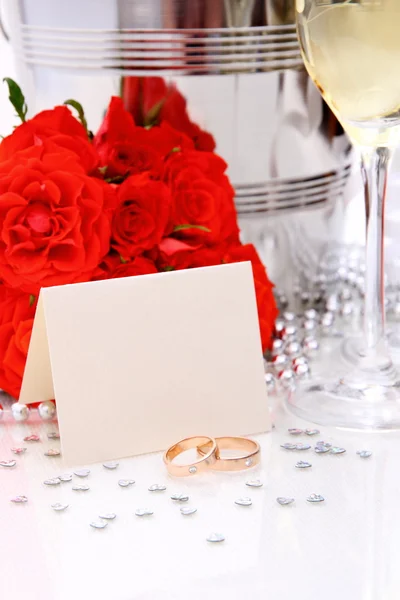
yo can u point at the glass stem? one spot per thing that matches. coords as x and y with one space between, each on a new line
375 168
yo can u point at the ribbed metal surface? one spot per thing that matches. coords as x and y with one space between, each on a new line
291 194
154 51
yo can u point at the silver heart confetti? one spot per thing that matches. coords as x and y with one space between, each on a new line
80 488
19 499
18 450
8 463
180 497
283 501
65 478
244 501
288 446
98 524
215 537
53 435
364 453
301 464
322 443
52 452
157 487
110 465
82 472
315 498
296 431
312 431
125 482
143 512
337 450
186 510
59 507
108 516
32 438
302 447
254 483
52 481
322 449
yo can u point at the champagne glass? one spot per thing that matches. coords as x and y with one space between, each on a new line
351 49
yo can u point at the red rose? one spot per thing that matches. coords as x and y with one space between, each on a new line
60 129
125 149
54 228
152 101
112 267
141 216
267 309
202 196
16 321
175 255
138 266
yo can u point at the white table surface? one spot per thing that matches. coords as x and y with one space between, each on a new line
345 548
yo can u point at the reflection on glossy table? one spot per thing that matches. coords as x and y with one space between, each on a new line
346 547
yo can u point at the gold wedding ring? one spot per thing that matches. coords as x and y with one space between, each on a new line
207 460
249 453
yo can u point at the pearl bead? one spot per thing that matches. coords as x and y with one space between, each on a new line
20 412
289 317
299 360
310 346
47 410
293 349
302 371
311 314
332 303
327 319
280 361
286 378
305 298
277 347
270 382
347 309
283 301
279 327
289 333
309 325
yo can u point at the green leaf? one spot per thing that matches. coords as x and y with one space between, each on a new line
123 260
183 227
81 115
176 149
151 117
16 98
103 170
169 268
32 300
116 179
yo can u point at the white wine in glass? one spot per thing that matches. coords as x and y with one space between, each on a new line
351 49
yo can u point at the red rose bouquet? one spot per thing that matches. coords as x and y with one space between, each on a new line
130 200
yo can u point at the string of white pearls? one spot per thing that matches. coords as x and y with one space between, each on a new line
20 412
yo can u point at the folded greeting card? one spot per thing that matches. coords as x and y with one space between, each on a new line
138 363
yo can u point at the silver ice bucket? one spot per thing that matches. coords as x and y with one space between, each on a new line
238 64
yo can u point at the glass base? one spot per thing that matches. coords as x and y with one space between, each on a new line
366 398
352 347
